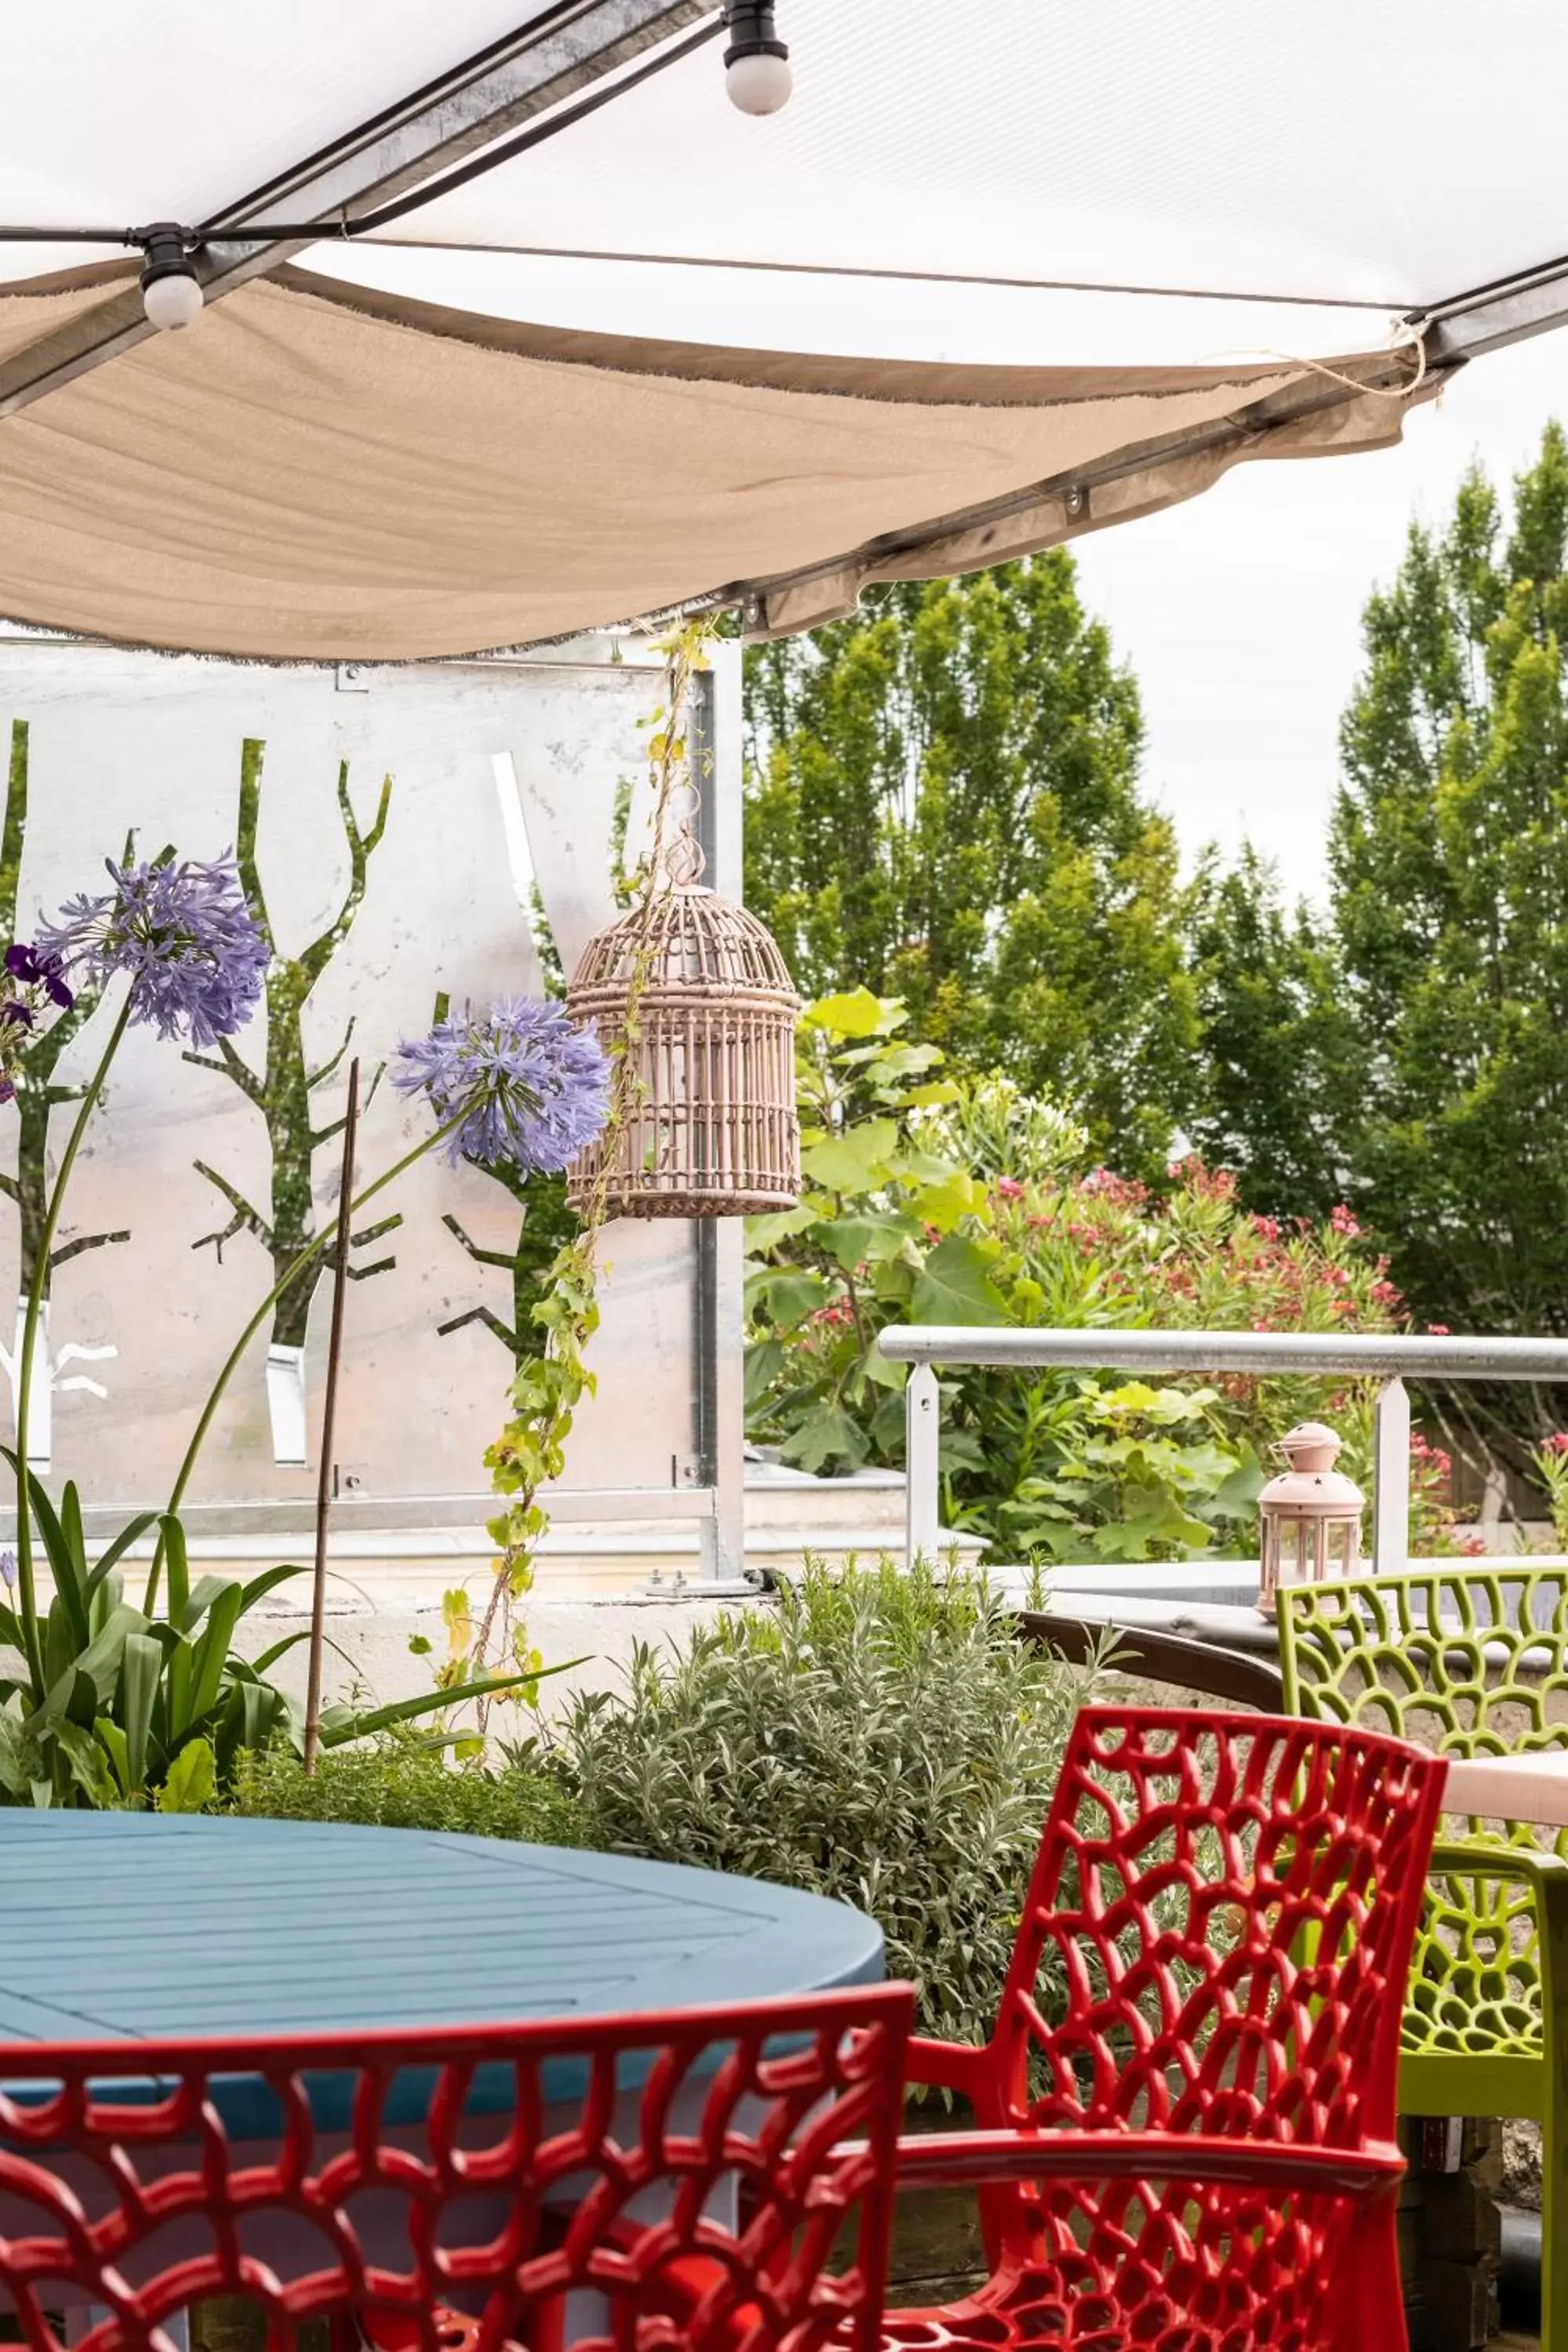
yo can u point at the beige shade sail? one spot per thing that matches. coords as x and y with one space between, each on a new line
322 471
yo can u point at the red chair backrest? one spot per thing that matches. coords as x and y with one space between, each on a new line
1218 1929
594 2160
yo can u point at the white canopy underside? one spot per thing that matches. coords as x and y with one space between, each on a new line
384 448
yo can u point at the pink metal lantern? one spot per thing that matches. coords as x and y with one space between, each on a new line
1310 1516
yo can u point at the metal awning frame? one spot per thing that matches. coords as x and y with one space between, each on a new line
573 47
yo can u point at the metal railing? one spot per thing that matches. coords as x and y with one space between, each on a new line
1385 1357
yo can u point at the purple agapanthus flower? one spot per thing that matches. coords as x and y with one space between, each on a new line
35 968
182 933
8 1570
33 988
534 1088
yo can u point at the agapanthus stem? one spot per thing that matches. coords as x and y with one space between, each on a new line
25 1589
290 1275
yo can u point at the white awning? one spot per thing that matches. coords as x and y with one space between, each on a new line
1003 271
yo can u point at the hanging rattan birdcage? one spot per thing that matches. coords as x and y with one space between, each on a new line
710 1128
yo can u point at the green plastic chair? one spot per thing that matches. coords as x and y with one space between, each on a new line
1467 1662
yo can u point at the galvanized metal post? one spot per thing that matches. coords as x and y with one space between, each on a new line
715 730
922 1459
1391 1480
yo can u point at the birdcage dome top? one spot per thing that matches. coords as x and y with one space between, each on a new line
694 940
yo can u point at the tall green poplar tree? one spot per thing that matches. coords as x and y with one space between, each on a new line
943 806
1449 861
1265 1100
1424 1026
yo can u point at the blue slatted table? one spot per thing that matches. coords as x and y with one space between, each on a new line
141 1926
137 1927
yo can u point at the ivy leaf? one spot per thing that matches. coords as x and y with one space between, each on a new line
954 1285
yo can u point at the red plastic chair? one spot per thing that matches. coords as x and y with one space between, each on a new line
1186 2109
589 2196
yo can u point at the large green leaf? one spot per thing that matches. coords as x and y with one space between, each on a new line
109 1560
267 1581
828 1434
764 1362
1236 1496
191 1781
68 1570
172 1535
791 1296
113 1742
208 1658
97 1666
207 1592
856 1013
867 1240
16 1757
253 1716
943 1204
954 1285
141 1668
342 1723
853 1162
73 1532
765 1232
86 1763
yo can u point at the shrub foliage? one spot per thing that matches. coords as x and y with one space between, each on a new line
398 1783
883 1739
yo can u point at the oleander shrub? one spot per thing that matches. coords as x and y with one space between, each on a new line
930 1199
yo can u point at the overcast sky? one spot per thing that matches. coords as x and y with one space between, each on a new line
1240 612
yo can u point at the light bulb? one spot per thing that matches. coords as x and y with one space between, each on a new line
171 290
760 83
174 300
756 63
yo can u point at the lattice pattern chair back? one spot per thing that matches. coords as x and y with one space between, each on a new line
391 2179
1222 1906
1466 1662
1202 2017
